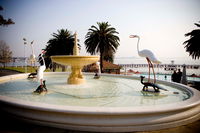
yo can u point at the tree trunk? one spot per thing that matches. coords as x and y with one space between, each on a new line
54 66
101 62
63 68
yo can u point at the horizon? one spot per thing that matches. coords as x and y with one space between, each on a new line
139 60
160 24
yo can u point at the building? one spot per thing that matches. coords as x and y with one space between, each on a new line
108 67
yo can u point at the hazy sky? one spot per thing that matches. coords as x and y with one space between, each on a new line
161 24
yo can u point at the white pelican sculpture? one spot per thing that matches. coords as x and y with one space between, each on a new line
148 55
32 57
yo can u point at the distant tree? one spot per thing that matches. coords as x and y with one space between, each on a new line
5 53
102 39
192 45
62 43
5 22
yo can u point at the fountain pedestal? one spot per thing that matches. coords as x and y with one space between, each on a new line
76 76
77 63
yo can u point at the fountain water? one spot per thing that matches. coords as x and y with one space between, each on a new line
76 62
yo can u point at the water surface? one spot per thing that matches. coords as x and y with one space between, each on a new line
107 91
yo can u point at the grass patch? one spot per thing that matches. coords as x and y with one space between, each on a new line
29 69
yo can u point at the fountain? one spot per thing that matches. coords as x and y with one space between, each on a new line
76 62
113 103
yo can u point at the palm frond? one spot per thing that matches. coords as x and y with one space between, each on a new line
192 45
103 40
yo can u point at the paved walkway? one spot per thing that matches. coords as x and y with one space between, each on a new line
9 124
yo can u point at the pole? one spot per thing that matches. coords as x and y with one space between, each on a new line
184 78
25 59
25 63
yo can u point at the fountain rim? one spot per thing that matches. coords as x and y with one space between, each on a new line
189 103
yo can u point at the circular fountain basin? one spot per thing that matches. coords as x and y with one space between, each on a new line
113 103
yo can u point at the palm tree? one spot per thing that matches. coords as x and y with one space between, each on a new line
102 40
62 43
192 45
108 56
3 21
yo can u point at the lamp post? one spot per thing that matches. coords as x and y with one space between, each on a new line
32 56
25 63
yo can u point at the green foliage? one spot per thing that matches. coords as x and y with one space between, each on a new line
5 22
102 39
192 45
21 69
62 43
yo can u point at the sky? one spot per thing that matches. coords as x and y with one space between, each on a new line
161 24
